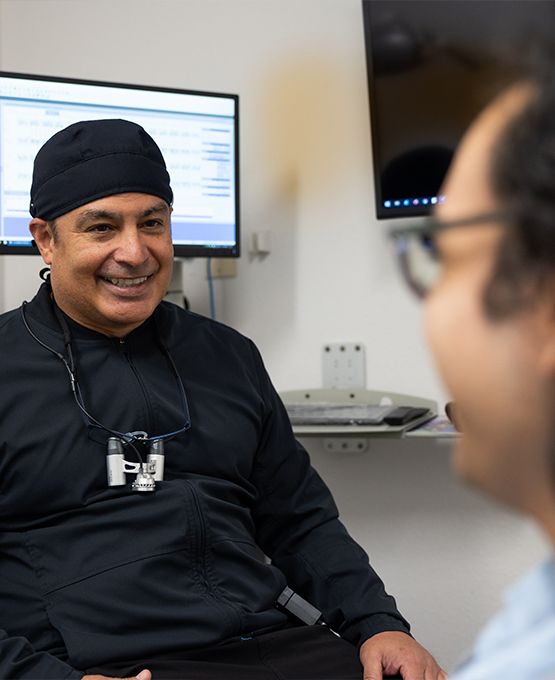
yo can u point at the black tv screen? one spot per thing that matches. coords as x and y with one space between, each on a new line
198 134
432 66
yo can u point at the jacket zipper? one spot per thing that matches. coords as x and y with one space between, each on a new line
202 532
230 611
149 414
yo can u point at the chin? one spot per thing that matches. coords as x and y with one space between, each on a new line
465 461
132 309
127 320
475 467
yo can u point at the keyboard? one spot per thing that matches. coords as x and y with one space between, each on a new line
326 413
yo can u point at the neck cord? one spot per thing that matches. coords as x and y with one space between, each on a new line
127 438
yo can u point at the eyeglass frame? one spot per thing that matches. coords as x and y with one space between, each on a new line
428 228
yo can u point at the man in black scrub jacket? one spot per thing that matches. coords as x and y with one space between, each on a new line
112 563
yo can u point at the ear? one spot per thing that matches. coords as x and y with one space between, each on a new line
44 238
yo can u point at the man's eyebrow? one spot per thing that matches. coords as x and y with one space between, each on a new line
162 206
92 215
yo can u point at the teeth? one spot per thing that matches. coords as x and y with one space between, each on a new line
127 283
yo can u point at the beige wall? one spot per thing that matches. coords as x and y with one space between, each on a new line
298 66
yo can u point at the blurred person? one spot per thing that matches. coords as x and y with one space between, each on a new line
485 264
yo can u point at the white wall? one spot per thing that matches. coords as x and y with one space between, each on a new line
443 551
298 66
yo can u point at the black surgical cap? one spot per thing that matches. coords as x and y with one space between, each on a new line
93 159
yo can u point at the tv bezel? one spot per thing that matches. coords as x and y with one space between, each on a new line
381 212
180 250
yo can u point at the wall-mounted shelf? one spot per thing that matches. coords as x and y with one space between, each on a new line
361 396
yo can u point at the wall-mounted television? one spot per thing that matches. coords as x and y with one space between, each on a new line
198 133
432 66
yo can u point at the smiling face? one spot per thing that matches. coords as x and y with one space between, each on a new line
110 260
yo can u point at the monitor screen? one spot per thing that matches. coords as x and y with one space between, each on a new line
432 66
197 133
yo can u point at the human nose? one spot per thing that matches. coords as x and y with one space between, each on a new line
131 249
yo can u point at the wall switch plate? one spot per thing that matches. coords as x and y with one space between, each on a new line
261 243
344 365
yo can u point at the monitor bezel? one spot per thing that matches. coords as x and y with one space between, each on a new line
381 212
180 250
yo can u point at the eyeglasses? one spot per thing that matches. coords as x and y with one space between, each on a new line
417 253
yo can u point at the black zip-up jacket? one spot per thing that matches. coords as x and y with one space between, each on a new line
91 575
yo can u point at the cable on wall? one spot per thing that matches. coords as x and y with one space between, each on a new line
210 287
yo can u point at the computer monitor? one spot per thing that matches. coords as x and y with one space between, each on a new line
198 134
432 66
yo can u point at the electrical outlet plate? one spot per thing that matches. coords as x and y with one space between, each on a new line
223 268
344 365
